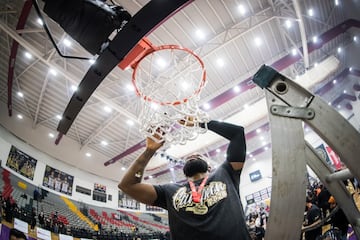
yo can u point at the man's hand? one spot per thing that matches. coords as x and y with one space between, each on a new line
153 144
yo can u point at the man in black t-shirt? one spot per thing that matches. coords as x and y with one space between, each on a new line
313 218
208 206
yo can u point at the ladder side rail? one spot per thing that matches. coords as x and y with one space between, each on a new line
289 176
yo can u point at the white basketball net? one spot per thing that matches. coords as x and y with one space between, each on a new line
169 81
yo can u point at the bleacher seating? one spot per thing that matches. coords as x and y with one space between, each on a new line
114 224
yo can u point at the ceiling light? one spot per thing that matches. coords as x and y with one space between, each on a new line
236 89
339 49
344 91
262 138
67 42
123 168
20 94
251 155
104 143
315 64
258 130
355 38
130 87
288 23
20 116
88 154
294 51
258 41
130 122
315 39
254 159
92 61
200 34
339 106
150 176
51 135
107 109
59 116
350 69
39 21
218 150
220 62
266 148
336 2
311 12
53 72
161 62
242 9
206 106
172 169
28 55
154 105
73 88
329 103
334 81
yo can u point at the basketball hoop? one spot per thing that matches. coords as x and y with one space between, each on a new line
169 80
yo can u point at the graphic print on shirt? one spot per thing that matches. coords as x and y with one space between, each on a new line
211 194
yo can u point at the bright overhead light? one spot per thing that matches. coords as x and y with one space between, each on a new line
315 39
350 69
206 106
311 12
130 122
130 87
336 2
288 24
28 55
51 135
123 168
334 81
218 150
200 34
220 62
339 49
67 42
161 62
20 94
258 41
92 61
20 116
258 130
107 109
59 116
344 91
150 176
236 89
39 21
294 51
355 38
88 154
104 143
53 72
73 88
242 9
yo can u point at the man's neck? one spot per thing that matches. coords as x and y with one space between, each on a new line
197 176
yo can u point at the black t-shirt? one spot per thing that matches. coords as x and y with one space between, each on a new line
218 216
313 215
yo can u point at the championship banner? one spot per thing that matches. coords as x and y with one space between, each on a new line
329 156
58 180
21 163
127 202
